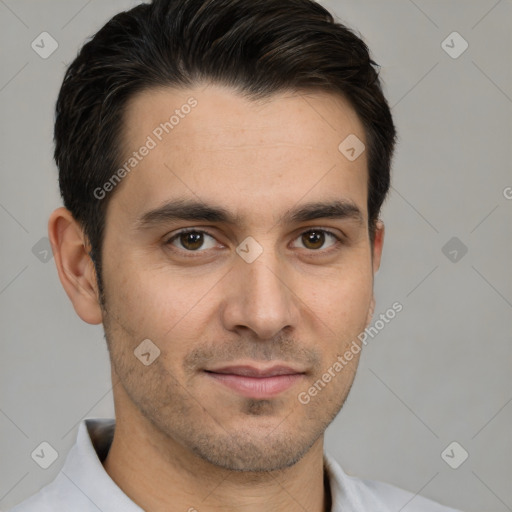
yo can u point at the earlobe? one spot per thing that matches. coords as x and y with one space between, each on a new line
74 265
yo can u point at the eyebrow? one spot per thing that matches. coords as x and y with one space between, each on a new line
191 210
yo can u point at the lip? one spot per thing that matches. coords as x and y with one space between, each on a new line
256 382
246 370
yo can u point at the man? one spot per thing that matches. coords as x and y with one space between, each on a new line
222 164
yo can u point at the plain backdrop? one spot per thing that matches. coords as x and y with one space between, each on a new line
439 372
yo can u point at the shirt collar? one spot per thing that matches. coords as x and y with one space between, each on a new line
85 469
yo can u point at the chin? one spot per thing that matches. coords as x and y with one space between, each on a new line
242 452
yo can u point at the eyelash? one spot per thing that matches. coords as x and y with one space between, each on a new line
195 254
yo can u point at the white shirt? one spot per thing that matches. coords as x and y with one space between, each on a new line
83 485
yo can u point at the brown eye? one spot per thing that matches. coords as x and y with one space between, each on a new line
192 241
315 239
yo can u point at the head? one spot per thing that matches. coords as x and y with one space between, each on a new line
224 118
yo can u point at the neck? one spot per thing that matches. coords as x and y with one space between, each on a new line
159 474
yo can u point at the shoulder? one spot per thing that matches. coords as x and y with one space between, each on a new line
58 496
82 483
400 499
352 493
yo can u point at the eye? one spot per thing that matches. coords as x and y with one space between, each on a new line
192 240
314 239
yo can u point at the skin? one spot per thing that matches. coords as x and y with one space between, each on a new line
184 441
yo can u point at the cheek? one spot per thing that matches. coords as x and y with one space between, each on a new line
343 301
159 305
340 315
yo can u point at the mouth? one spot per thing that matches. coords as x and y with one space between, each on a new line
256 382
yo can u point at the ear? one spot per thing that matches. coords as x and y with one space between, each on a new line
377 245
376 256
74 265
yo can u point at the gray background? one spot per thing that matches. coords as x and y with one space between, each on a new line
439 372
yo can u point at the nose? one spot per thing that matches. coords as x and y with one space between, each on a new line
260 297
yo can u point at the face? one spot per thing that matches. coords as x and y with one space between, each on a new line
239 246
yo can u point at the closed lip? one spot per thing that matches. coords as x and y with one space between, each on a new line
256 371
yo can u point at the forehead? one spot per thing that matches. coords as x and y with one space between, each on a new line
211 143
